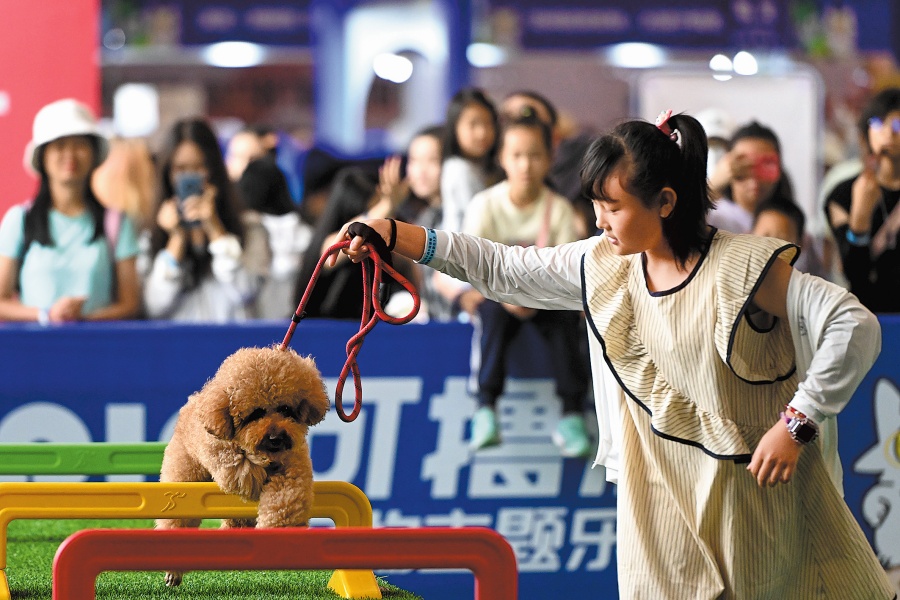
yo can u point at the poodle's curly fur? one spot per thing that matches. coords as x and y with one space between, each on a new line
246 430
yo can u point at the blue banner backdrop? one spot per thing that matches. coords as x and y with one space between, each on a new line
407 450
270 22
693 24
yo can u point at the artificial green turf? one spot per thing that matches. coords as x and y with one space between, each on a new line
33 543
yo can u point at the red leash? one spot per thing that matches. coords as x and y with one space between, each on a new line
369 319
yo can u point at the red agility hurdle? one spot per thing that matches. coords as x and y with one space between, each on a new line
85 554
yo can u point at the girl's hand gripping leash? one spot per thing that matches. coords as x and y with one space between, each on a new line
381 259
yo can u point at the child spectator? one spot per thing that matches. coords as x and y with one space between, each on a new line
203 266
522 210
782 220
470 152
63 257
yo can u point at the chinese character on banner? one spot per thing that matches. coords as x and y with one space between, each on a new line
527 464
536 535
452 410
592 528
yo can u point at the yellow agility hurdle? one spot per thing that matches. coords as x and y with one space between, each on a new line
342 502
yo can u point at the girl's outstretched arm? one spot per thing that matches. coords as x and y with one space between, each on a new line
544 278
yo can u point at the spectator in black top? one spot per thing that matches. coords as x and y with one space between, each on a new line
863 213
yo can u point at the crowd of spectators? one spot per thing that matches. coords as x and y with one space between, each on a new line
209 230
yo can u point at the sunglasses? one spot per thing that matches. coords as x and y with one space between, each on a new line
877 123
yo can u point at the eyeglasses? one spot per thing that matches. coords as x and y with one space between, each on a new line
877 123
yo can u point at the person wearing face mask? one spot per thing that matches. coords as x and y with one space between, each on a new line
63 256
863 211
204 266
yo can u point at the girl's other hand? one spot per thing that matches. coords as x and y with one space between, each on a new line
775 458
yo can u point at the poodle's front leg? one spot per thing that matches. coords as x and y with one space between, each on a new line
173 578
237 523
237 474
287 498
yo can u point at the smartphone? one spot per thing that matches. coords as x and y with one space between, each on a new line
767 168
187 185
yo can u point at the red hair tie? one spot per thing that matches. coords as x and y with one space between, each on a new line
662 123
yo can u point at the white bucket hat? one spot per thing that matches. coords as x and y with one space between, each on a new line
717 123
61 119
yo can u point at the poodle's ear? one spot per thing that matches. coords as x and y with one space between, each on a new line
215 416
312 409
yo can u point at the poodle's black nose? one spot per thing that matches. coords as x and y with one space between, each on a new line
276 443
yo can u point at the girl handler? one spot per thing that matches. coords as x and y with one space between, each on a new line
722 491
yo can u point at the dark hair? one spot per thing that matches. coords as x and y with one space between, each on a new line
787 208
338 292
37 219
884 102
460 101
757 131
528 122
654 161
228 208
435 131
264 188
540 99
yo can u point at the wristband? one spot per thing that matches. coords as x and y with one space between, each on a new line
430 247
861 239
43 317
393 243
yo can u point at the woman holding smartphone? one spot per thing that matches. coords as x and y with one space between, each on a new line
201 264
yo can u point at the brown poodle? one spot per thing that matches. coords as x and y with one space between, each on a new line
246 430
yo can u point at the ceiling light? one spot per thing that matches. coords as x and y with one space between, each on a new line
234 54
636 55
745 63
485 55
393 67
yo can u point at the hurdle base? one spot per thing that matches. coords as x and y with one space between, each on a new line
5 593
354 583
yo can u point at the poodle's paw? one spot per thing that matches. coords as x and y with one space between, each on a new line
173 578
237 523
